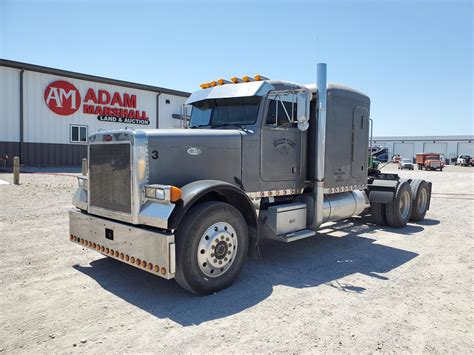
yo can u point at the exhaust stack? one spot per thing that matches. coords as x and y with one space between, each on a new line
320 146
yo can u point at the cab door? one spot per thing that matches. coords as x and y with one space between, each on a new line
282 142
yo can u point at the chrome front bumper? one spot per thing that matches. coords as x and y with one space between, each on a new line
146 249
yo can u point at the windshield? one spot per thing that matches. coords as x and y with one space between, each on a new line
225 112
406 161
432 157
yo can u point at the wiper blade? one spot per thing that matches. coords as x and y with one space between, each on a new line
238 125
200 126
229 124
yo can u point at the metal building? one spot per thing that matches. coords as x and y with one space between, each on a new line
47 114
407 147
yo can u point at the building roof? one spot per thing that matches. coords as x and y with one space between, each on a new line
87 77
424 138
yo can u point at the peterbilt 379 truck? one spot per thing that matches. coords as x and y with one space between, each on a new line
260 159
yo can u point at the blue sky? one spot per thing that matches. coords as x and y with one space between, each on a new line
413 58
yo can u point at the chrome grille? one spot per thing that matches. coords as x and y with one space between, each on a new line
110 177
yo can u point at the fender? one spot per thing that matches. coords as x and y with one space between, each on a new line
209 190
382 191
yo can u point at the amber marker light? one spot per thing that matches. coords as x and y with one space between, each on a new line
259 77
150 266
223 81
175 194
132 260
213 83
127 258
157 268
247 79
204 85
235 80
163 271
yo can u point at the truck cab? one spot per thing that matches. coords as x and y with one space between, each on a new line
429 161
260 159
464 160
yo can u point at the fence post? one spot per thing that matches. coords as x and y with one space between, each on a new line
16 170
84 166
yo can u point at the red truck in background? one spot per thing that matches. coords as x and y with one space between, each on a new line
429 161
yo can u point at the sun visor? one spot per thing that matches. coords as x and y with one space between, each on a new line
257 88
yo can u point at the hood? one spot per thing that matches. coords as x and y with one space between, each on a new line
180 156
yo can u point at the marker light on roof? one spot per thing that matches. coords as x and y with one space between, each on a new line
259 77
247 79
223 81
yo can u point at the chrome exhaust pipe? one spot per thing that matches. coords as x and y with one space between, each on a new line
320 146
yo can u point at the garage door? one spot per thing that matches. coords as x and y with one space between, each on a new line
440 148
466 148
406 150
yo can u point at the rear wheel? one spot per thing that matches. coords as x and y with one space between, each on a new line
378 211
211 247
420 192
398 211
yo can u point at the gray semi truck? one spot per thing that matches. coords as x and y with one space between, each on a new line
260 159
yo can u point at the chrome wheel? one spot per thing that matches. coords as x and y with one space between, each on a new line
217 249
422 201
405 203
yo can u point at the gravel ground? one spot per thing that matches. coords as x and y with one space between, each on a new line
355 287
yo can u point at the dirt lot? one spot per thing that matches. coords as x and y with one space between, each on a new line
353 288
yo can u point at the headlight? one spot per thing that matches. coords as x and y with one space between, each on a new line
82 182
163 193
155 192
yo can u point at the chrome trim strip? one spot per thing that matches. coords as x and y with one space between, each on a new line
273 193
335 190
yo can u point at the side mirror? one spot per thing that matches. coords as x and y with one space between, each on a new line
302 114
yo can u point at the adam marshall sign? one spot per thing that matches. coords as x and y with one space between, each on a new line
65 99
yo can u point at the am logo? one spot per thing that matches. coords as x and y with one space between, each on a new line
62 98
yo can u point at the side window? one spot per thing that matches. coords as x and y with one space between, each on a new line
78 134
282 109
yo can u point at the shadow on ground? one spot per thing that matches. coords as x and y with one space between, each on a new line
337 251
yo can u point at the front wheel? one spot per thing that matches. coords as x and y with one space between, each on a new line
211 247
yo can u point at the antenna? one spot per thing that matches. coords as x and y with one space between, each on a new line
317 49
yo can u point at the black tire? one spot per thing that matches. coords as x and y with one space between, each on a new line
396 217
195 226
378 211
421 195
